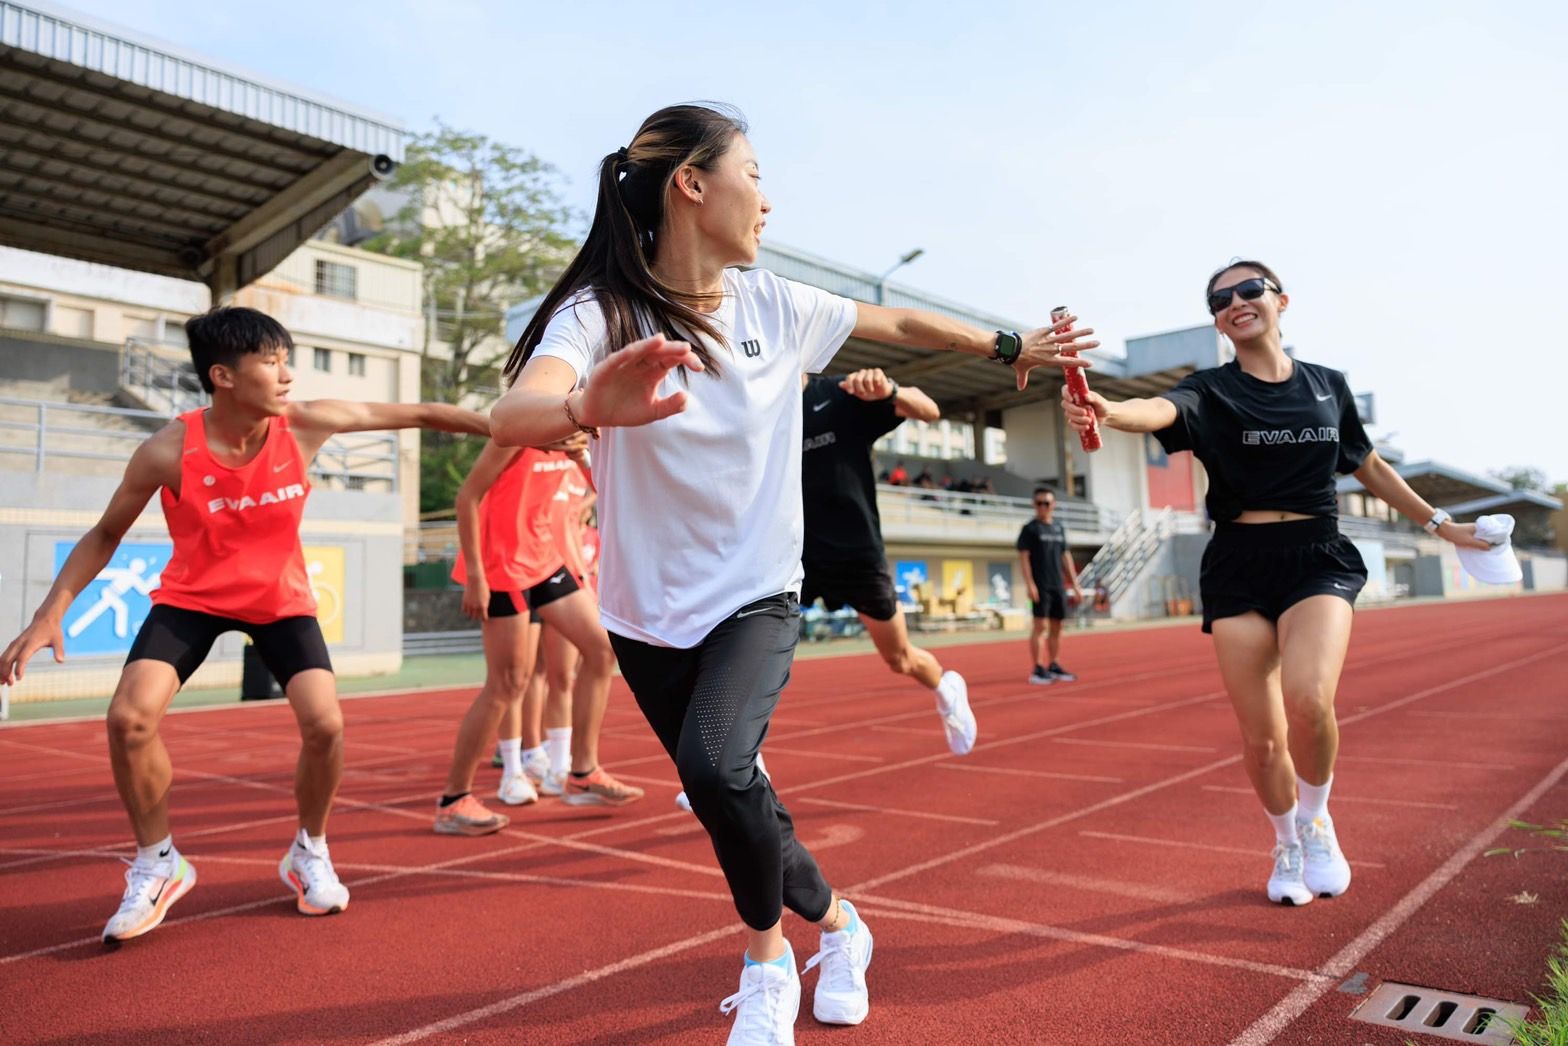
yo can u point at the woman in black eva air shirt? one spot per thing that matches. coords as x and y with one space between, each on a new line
1278 580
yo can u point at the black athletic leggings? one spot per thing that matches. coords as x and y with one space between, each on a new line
709 706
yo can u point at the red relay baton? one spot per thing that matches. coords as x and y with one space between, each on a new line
1078 388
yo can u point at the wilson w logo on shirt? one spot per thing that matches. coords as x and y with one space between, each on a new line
271 497
752 349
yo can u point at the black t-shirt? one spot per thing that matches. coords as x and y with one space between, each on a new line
1268 445
840 493
1045 543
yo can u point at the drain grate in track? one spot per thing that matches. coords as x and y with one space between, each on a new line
1442 1015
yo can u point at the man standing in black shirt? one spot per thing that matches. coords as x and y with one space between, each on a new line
845 562
1043 555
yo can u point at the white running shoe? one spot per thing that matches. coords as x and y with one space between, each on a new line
536 766
317 889
1325 870
767 1004
516 790
841 996
958 719
1286 885
151 888
552 783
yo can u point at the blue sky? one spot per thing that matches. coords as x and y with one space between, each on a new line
1400 164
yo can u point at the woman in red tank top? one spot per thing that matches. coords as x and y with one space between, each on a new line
234 483
515 576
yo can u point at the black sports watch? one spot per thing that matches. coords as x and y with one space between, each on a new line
1009 345
890 397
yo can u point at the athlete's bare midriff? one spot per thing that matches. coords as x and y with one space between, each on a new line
1269 515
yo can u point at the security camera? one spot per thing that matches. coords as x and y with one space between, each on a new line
382 166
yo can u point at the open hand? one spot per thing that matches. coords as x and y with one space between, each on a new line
623 390
1044 346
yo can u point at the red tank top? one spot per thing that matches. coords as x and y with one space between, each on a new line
515 534
566 520
236 530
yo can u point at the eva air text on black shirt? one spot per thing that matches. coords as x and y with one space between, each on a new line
839 487
1268 445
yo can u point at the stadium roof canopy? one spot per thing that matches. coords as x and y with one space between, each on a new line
1462 493
954 380
119 149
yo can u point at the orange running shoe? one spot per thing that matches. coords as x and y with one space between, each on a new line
468 816
599 789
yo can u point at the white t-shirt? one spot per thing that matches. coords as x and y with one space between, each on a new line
700 513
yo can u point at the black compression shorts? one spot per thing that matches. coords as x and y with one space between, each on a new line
183 638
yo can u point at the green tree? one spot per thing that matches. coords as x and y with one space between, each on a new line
1523 477
488 224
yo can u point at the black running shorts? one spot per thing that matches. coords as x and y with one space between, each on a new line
558 585
1051 604
183 638
1270 567
867 587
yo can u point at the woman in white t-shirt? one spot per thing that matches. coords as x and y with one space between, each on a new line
697 448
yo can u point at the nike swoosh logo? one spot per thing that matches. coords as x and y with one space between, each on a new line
819 406
748 613
1327 396
163 853
161 887
280 468
558 578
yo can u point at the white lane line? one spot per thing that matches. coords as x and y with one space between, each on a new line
1188 775
1413 804
1144 840
1087 883
1441 764
922 814
781 750
1141 746
1511 717
889 907
500 1006
1267 1027
1051 774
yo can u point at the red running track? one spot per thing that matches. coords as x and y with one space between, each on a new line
1092 873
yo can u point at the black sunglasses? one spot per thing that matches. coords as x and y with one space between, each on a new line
1250 290
1037 504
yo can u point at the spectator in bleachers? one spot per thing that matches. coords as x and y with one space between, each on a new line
899 477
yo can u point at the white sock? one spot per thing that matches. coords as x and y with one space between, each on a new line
536 752
511 756
314 843
1313 799
558 742
162 848
1284 827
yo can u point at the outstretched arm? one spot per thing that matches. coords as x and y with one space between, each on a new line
316 421
1042 347
1141 415
1382 481
155 463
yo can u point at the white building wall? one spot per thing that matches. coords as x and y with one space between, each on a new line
1117 478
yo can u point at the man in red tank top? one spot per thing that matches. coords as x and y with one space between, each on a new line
234 479
515 577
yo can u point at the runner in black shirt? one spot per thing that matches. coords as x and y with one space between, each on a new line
844 558
1278 581
1047 566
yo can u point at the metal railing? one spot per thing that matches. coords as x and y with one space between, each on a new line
1128 552
913 513
84 432
159 381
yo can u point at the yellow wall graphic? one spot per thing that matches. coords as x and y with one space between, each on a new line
324 567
